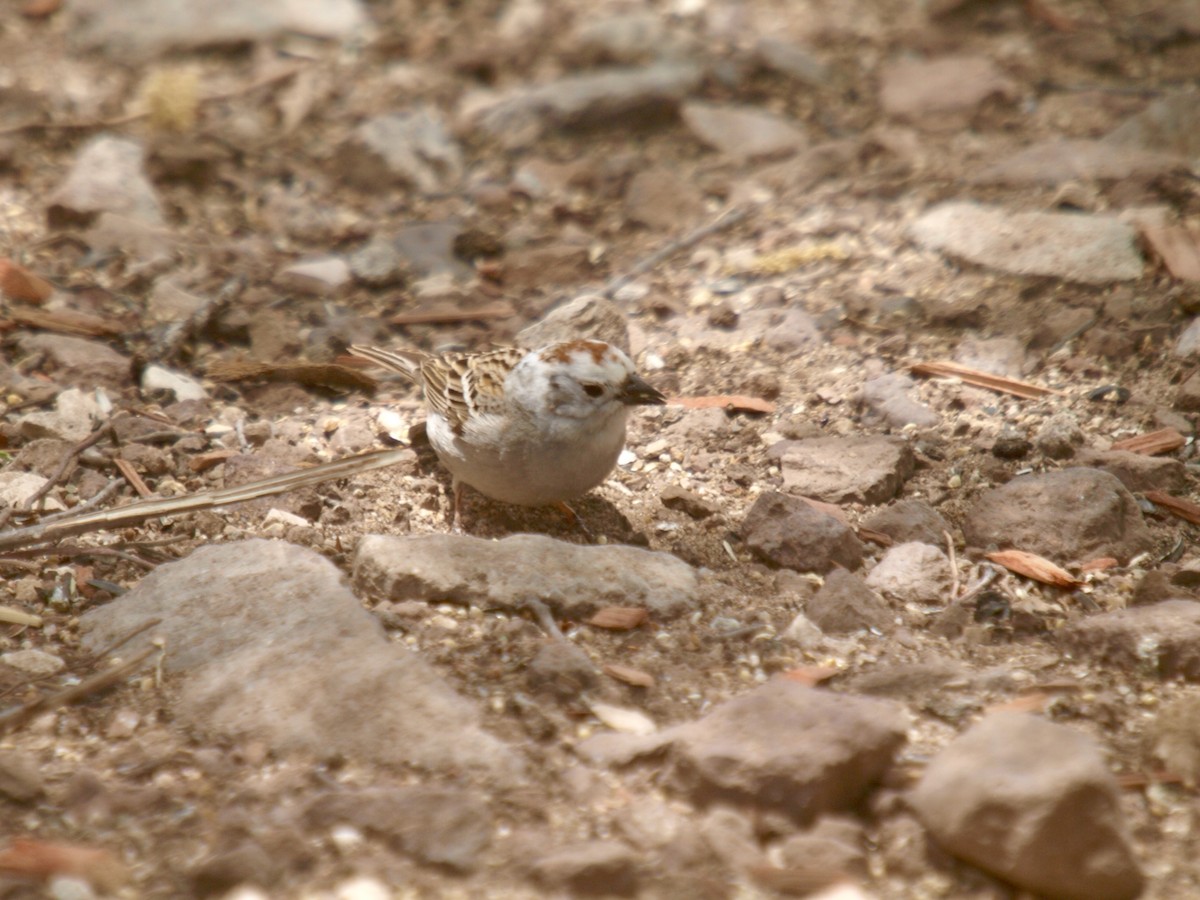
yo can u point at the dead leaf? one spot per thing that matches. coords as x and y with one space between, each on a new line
1099 564
1182 509
977 378
131 475
1152 443
730 402
44 860
618 618
635 677
202 462
1177 245
18 283
1033 566
811 675
875 537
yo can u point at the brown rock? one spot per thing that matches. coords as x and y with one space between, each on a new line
909 520
1067 516
20 780
854 469
662 199
1033 803
845 604
1163 638
785 531
594 867
561 669
1137 471
689 502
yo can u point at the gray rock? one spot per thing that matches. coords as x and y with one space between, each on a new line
1067 516
1059 436
1188 344
913 88
588 316
999 356
845 604
913 572
427 248
561 669
1137 471
518 117
624 39
107 176
20 780
321 276
590 868
1060 160
573 581
791 60
909 520
411 148
267 643
443 826
661 198
34 663
785 531
999 797
787 747
833 844
888 398
79 361
156 378
850 469
1091 249
74 415
1160 639
743 132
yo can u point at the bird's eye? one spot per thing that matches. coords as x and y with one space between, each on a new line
593 390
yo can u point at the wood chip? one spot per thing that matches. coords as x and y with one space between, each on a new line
1182 509
619 618
986 380
451 314
44 860
730 402
131 475
12 616
1177 245
811 675
1033 566
635 677
1099 564
1162 441
875 537
1134 780
18 283
202 462
312 374
64 321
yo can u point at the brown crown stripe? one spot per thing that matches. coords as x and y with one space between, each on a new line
563 352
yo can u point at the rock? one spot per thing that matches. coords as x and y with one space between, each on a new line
1162 639
623 39
20 283
887 397
785 531
999 795
662 199
107 176
408 148
170 302
1071 515
611 97
845 604
588 316
539 266
803 632
78 361
833 844
1188 344
791 60
913 572
1174 734
909 520
443 826
303 668
1061 160
1169 124
156 378
851 469
143 28
18 487
573 581
246 863
428 249
1137 471
1187 397
787 747
1091 249
34 663
999 356
687 502
743 132
561 669
1011 444
915 88
322 276
1059 436
590 868
20 780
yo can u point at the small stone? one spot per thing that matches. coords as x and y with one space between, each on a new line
1162 639
909 520
1059 436
845 604
156 378
413 148
560 669
20 780
107 176
321 277
689 502
743 132
782 530
35 663
1011 445
913 572
594 867
851 469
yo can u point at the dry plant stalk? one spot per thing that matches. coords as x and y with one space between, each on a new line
977 378
1162 441
1176 506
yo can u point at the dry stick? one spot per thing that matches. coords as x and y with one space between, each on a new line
86 688
953 566
136 513
725 220
542 613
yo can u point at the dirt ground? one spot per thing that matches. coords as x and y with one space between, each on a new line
245 192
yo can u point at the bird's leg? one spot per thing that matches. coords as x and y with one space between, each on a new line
456 488
573 518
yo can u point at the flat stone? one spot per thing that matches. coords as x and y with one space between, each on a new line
787 747
889 397
913 572
592 868
106 176
782 530
573 581
909 520
1161 639
845 604
267 643
999 797
1092 249
79 361
35 663
743 132
851 469
321 276
914 88
1137 471
662 199
1071 515
407 148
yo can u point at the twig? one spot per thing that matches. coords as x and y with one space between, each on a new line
40 494
125 467
95 684
727 219
545 619
136 513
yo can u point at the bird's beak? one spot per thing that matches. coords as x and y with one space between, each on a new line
638 392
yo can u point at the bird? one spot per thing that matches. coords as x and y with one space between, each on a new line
527 427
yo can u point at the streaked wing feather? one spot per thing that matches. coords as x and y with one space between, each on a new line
460 385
